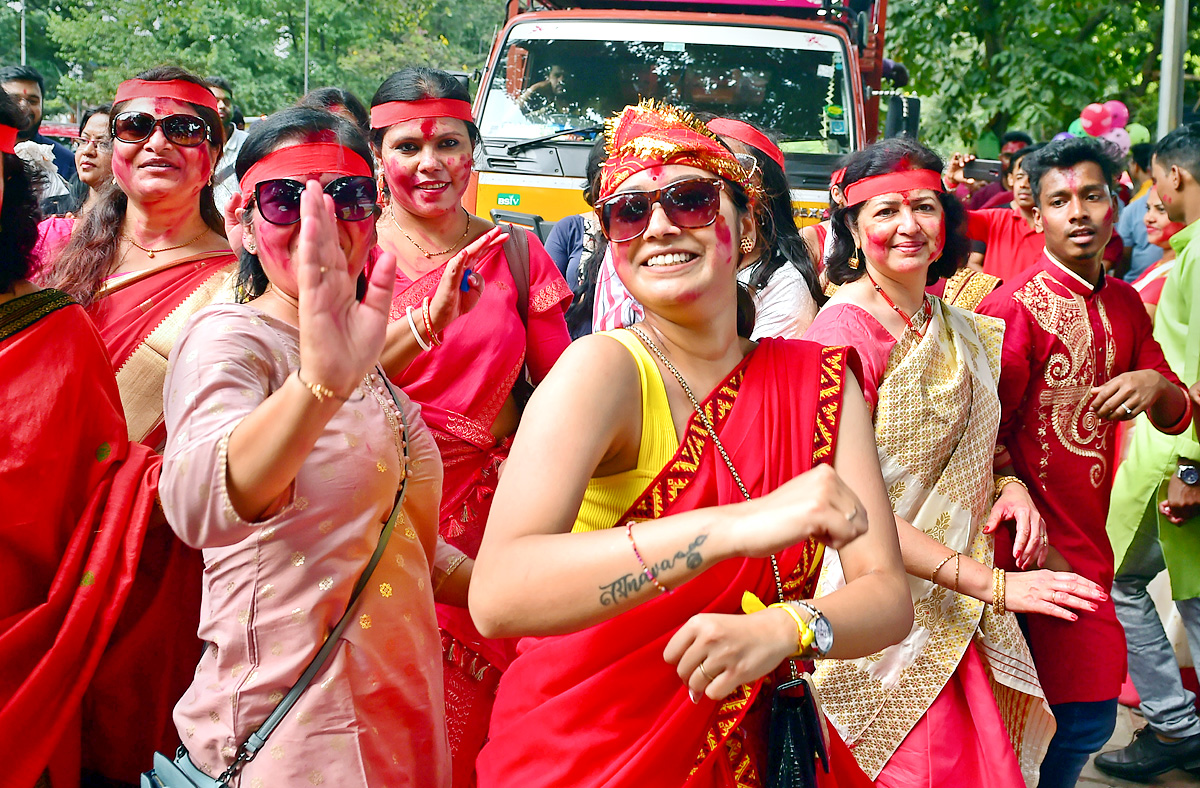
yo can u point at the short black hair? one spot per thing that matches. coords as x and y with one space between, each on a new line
1142 155
1017 155
892 155
220 83
1066 153
1181 148
1016 136
331 98
19 214
23 74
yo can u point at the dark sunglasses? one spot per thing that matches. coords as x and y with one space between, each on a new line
690 204
186 130
354 199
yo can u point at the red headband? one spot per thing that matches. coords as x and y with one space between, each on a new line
309 158
8 139
902 181
836 178
747 134
391 112
178 89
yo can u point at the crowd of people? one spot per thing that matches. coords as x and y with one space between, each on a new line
316 477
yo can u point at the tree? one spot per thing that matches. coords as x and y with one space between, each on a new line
1028 64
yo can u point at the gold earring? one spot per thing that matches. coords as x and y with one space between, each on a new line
854 261
747 245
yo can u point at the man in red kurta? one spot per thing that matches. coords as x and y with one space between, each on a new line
1078 357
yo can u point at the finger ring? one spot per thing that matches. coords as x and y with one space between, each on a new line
1045 539
324 269
705 674
1128 412
850 517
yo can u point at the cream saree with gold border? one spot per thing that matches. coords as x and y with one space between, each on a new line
935 426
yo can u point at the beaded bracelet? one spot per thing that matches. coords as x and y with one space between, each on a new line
421 343
957 565
938 568
998 590
1004 481
645 568
319 391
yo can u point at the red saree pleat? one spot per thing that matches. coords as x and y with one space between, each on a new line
601 707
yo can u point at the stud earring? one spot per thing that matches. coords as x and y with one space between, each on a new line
249 245
747 245
854 261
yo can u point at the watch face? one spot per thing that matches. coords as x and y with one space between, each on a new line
824 635
1189 474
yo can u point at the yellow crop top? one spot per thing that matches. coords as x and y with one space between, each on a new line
609 497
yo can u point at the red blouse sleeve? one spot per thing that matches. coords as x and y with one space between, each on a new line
846 324
549 298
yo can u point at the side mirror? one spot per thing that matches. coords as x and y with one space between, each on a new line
903 117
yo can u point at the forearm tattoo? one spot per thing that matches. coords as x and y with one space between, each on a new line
628 585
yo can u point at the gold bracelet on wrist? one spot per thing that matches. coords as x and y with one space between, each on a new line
319 391
957 566
998 589
938 568
1004 481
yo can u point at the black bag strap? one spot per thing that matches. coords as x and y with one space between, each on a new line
516 253
256 740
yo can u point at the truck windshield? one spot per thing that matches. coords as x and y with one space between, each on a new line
559 75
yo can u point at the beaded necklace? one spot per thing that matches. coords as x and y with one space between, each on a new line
925 314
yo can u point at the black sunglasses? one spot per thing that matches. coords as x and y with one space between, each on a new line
354 199
690 204
186 130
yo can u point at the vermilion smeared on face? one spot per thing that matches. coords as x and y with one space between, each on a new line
157 169
427 164
724 239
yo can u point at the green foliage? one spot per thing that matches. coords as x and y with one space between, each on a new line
1028 64
86 47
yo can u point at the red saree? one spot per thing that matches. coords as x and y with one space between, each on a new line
139 317
78 496
601 707
461 387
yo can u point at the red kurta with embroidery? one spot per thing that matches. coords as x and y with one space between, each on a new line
1064 336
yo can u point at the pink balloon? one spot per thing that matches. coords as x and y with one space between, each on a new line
1118 137
1096 119
1118 112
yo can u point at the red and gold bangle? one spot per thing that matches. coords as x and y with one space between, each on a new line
645 567
434 337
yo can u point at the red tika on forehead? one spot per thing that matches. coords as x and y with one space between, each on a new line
652 134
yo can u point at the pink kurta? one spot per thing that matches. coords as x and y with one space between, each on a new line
273 589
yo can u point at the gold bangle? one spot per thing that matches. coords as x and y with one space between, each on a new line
957 564
804 633
938 568
998 589
320 392
1004 481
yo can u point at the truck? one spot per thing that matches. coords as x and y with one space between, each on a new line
808 71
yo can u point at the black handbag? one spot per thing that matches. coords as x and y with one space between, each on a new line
180 772
797 737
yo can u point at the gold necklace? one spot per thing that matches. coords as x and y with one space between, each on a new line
151 252
429 255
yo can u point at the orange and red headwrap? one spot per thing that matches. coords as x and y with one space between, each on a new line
178 89
390 113
8 139
890 182
652 134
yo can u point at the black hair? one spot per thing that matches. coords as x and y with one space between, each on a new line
92 250
1181 148
332 97
1015 136
1142 155
1066 153
220 83
23 74
19 213
287 125
1016 156
77 190
418 82
579 313
892 155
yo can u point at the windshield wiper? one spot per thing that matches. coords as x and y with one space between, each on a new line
533 143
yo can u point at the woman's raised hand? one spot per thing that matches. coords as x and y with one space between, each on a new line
450 301
1051 593
340 338
816 505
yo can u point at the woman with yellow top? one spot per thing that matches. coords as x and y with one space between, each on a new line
701 466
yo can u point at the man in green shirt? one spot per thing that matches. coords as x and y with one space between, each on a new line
1154 515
